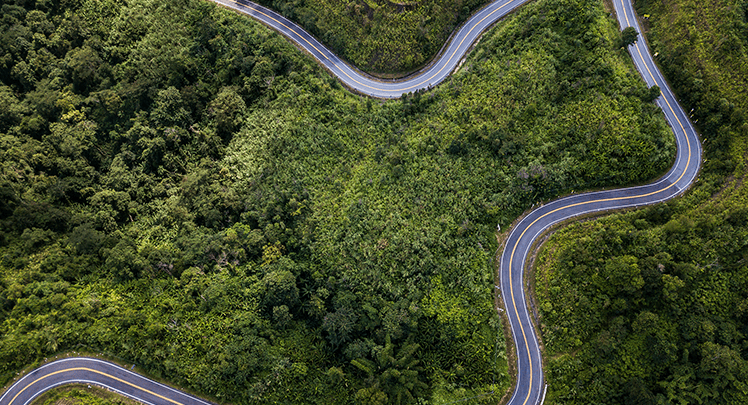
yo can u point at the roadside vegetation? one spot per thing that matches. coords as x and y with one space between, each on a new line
379 36
651 306
183 189
79 394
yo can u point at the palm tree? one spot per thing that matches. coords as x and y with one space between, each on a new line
393 378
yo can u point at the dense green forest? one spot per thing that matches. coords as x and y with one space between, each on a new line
379 36
651 306
181 188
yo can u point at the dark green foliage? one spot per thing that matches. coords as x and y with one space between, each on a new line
393 377
653 93
628 36
655 309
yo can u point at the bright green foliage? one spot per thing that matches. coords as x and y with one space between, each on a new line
183 189
650 307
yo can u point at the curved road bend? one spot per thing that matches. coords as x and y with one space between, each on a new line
530 387
461 42
85 370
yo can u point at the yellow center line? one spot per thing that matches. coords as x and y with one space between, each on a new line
511 257
96 372
623 6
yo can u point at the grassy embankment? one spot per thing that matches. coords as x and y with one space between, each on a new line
651 306
80 394
185 190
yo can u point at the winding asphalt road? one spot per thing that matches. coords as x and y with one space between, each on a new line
85 370
360 82
530 388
